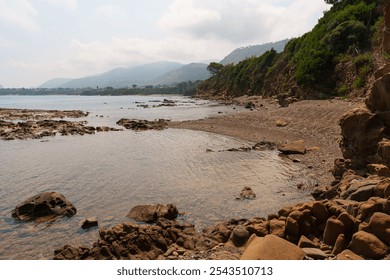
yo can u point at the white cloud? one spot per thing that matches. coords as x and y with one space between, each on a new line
241 21
19 13
68 4
110 11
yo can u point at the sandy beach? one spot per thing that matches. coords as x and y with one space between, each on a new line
314 121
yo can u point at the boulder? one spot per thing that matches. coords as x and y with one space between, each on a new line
333 229
260 229
240 235
44 206
296 147
379 169
368 245
361 131
320 212
379 225
378 99
305 242
384 151
271 247
277 227
150 213
315 253
340 244
348 255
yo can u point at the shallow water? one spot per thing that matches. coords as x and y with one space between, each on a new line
106 174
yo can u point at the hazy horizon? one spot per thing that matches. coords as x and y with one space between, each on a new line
46 39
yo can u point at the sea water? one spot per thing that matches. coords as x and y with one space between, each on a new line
106 174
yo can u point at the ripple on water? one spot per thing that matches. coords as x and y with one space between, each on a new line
105 175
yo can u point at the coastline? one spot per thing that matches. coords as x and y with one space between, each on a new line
314 121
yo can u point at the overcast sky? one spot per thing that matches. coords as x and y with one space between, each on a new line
45 39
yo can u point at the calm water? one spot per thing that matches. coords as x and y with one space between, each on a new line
106 174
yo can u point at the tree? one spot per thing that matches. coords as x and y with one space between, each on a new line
331 2
214 68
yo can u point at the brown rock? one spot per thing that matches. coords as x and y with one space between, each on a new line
378 99
320 212
277 227
296 147
239 236
150 213
247 193
305 242
281 123
379 169
292 227
379 225
340 245
315 253
260 229
271 247
46 205
348 255
384 150
89 223
333 229
368 245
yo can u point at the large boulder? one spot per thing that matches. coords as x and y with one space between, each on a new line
361 131
271 247
368 245
379 225
45 205
150 213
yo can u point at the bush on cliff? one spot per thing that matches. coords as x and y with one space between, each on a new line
308 62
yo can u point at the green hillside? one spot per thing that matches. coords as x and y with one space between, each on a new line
338 57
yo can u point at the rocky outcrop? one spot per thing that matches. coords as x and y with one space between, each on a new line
43 206
44 128
143 124
151 213
366 131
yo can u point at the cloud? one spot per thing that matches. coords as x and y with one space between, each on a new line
241 21
110 11
68 4
19 13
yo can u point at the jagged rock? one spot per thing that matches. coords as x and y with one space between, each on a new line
150 213
260 229
45 205
296 147
378 99
143 124
89 223
379 169
368 245
271 247
384 151
247 193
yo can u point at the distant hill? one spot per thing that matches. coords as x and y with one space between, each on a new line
246 52
189 72
123 77
54 83
1 86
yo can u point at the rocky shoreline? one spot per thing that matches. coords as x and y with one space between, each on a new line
35 124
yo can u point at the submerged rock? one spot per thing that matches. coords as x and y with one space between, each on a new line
45 205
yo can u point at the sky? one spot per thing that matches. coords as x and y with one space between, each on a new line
45 39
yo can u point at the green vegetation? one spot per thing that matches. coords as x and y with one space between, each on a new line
344 33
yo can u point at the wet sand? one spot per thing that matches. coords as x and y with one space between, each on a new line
314 121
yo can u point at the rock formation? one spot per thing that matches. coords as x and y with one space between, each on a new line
44 206
143 124
366 131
